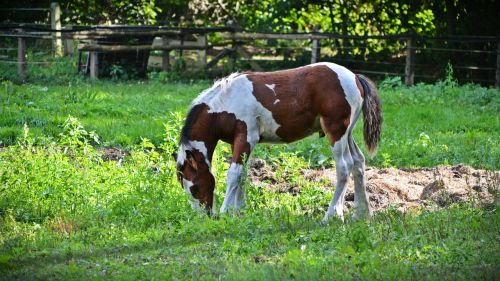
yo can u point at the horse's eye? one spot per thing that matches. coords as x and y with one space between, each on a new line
194 189
179 175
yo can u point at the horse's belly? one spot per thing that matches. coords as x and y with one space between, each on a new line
289 132
267 130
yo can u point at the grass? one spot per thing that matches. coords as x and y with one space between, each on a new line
120 113
66 214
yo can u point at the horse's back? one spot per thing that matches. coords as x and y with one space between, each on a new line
285 106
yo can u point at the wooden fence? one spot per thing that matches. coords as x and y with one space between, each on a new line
415 58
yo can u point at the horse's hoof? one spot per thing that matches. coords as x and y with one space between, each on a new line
328 218
359 216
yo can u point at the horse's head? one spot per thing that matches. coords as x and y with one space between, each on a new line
193 172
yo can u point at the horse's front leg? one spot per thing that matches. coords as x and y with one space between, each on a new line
235 193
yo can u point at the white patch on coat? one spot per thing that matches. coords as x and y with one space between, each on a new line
271 86
276 101
198 145
195 204
234 94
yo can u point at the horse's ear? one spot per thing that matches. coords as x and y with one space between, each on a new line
191 160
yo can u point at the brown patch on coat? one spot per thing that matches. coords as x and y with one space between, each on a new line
305 95
234 131
211 127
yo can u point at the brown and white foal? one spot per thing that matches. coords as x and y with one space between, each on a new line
279 107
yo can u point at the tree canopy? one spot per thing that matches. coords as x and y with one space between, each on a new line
348 17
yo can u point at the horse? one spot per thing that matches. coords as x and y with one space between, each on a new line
284 106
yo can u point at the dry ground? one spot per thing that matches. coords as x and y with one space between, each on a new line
403 188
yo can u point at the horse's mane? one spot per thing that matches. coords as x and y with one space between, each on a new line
193 114
200 102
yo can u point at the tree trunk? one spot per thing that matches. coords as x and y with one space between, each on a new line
451 17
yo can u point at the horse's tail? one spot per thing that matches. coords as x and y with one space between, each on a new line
372 114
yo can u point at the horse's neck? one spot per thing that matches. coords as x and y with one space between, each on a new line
203 132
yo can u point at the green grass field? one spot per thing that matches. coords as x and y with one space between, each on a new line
67 214
424 125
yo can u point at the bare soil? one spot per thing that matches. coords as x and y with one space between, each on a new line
112 153
402 188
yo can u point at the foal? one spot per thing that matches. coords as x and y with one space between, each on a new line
279 107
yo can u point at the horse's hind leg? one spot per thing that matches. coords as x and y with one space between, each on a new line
344 164
361 203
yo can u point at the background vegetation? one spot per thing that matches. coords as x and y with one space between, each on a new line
425 125
431 22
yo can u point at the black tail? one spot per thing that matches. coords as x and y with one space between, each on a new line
372 115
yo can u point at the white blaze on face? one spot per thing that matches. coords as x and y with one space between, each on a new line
234 94
198 145
195 204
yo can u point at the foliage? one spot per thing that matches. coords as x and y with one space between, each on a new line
110 12
344 17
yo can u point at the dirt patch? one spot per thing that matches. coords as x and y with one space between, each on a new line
112 154
403 188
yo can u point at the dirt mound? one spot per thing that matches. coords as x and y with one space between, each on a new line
403 188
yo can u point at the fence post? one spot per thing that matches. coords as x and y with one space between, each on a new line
94 65
202 55
55 23
165 57
69 46
497 78
21 57
315 51
410 61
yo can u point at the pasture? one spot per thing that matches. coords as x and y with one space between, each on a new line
69 212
